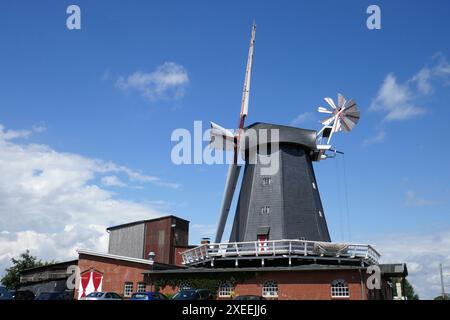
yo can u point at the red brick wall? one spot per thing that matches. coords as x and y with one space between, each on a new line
299 285
115 272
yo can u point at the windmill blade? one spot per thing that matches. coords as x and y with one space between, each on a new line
341 100
350 105
323 110
327 121
221 138
330 102
347 124
230 187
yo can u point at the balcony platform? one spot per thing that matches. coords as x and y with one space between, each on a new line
279 252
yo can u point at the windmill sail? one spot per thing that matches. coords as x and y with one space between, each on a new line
220 135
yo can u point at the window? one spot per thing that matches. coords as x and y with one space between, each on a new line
270 289
141 287
320 214
265 210
128 289
225 290
185 285
339 289
267 181
314 185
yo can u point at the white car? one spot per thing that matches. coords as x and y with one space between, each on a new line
102 296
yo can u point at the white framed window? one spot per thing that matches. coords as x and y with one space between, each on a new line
185 285
265 210
225 290
267 181
339 289
128 289
270 289
141 287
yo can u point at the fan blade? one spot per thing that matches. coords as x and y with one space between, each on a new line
330 102
324 110
221 138
350 105
327 121
230 186
347 124
341 100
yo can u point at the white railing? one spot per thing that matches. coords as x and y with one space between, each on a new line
281 248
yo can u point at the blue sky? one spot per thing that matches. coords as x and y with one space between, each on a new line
68 97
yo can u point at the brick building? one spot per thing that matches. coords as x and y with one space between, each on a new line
305 282
311 275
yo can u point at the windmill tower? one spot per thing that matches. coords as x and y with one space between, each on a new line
286 204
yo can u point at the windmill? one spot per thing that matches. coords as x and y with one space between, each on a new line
285 205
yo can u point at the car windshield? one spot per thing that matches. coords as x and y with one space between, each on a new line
184 295
95 295
139 296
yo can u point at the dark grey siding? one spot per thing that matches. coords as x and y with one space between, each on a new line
127 241
295 208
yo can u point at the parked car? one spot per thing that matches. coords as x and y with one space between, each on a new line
102 296
148 296
193 294
249 297
55 295
24 295
5 294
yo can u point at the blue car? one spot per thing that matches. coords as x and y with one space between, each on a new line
5 294
148 296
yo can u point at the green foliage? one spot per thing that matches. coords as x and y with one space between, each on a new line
11 280
409 290
444 297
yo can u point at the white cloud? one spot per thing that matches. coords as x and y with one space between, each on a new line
50 202
302 118
413 200
422 253
168 81
397 100
112 181
378 138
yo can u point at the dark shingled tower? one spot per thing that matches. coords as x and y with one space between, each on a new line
285 205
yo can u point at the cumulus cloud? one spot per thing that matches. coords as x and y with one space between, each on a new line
167 82
399 100
422 253
51 203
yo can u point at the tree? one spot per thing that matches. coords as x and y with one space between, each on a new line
409 290
442 297
11 280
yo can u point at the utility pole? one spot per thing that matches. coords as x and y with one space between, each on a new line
442 281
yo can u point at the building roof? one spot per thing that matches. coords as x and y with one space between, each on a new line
51 266
156 265
394 269
309 267
144 221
